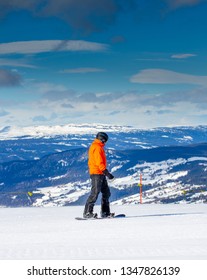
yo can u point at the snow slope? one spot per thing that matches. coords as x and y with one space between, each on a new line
150 231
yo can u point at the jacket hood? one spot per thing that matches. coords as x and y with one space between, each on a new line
97 141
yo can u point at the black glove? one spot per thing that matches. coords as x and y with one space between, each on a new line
109 175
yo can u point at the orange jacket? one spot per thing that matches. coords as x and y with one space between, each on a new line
96 158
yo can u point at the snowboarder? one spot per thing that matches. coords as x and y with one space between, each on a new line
98 172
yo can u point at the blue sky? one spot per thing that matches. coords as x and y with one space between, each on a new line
135 62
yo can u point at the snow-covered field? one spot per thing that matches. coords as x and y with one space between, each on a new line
150 231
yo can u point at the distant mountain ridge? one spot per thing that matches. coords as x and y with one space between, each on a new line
41 131
35 142
44 131
47 165
62 178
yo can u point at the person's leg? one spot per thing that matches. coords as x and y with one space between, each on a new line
96 181
105 205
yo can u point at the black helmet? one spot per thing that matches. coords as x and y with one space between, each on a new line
102 136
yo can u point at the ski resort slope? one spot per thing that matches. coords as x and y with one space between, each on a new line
150 231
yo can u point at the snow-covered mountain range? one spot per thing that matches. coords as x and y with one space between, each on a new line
15 132
32 143
47 166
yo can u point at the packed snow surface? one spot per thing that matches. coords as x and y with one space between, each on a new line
150 231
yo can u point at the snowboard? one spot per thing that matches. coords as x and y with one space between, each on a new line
100 218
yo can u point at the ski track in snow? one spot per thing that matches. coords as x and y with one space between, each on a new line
152 231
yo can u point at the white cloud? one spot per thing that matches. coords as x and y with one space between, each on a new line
175 4
135 108
82 70
162 76
183 55
16 63
48 87
34 47
3 113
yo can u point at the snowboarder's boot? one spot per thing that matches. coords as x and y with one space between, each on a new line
107 215
90 215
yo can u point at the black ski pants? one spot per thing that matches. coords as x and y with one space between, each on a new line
99 184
